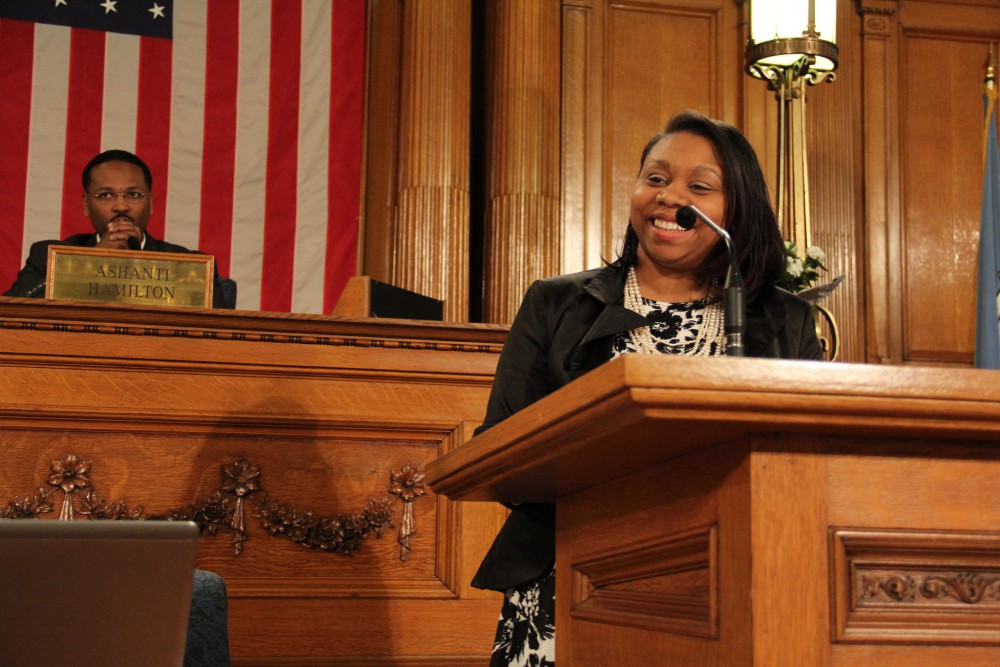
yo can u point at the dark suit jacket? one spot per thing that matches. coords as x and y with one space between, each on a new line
31 279
565 327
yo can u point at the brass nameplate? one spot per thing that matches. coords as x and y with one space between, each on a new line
130 276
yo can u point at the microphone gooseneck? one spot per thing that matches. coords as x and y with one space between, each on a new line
733 302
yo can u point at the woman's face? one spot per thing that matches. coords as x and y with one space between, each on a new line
681 169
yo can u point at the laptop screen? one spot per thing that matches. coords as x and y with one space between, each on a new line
95 592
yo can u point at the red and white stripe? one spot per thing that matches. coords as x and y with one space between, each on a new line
250 119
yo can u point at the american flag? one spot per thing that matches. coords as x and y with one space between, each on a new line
248 112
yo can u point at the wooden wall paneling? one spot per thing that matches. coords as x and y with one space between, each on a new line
758 118
939 160
325 407
727 79
881 140
627 68
522 212
941 174
834 126
835 151
923 68
661 58
431 224
585 235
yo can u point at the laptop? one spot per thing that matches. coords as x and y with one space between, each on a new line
95 592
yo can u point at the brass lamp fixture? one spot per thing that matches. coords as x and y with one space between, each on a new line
792 44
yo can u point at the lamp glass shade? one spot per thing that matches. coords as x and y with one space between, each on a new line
786 23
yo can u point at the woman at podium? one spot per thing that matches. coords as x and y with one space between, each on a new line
662 295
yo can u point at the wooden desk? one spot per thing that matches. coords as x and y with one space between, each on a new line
163 402
760 512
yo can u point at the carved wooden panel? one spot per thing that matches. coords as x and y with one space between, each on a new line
326 413
669 584
915 587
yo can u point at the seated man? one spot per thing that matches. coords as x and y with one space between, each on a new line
118 199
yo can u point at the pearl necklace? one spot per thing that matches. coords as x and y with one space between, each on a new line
711 329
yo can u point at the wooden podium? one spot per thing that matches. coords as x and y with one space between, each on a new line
760 512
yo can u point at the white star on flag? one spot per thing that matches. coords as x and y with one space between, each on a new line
157 11
109 6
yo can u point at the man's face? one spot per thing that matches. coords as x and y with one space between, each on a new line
117 179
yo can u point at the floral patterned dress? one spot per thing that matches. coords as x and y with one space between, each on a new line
526 633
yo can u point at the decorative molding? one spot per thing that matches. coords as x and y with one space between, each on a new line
684 599
878 17
876 25
226 508
247 336
927 587
881 9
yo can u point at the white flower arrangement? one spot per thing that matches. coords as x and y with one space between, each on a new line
800 273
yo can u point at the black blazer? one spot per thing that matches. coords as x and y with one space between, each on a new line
31 279
565 327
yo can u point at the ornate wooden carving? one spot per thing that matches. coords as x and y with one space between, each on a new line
929 587
326 406
225 509
668 585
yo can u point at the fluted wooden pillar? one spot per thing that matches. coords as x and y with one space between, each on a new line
522 214
431 222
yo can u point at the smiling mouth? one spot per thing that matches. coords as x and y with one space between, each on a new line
668 225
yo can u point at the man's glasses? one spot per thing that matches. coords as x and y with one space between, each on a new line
130 196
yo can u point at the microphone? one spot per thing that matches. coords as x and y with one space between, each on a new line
733 305
133 243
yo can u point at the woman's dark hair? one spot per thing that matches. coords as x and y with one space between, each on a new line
750 220
117 155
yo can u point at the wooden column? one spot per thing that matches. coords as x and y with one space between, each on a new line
881 151
431 226
523 227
